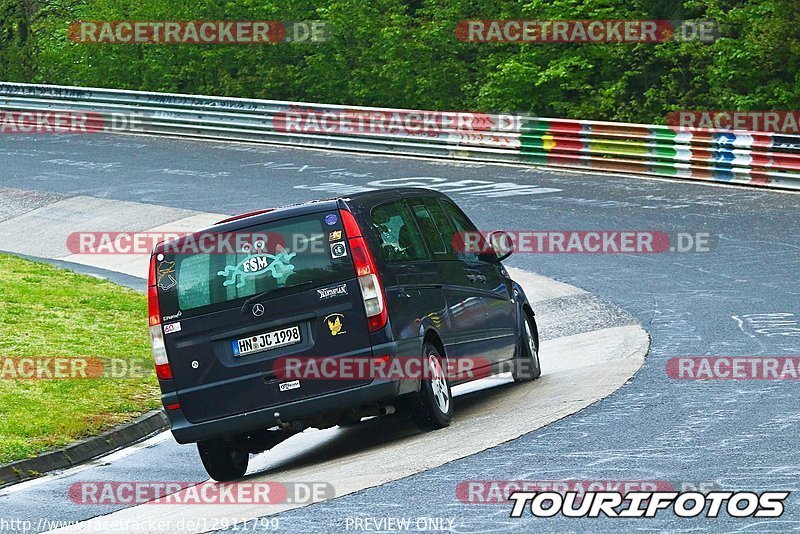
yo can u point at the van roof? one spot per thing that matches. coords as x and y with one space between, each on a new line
310 206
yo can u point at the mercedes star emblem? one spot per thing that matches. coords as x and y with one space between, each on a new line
258 310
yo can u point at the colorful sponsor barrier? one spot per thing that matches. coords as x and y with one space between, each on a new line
752 158
763 159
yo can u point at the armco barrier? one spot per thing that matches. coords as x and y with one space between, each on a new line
740 157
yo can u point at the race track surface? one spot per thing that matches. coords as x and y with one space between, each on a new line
739 299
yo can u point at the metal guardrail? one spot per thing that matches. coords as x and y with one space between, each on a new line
740 157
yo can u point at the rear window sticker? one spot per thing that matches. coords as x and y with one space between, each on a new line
331 219
165 280
336 235
338 250
279 264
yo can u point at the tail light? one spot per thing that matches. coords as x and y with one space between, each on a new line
163 370
367 274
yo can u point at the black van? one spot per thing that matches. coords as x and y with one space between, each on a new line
241 313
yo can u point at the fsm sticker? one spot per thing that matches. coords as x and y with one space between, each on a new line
257 263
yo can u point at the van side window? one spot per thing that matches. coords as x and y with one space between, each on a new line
440 220
467 236
400 239
432 235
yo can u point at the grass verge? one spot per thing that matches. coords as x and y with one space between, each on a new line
49 317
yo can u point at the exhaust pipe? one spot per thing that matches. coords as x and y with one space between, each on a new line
372 410
294 427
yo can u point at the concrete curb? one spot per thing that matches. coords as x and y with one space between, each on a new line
85 449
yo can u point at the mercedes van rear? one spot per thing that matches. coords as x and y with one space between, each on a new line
370 278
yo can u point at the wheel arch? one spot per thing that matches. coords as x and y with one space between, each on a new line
527 310
432 336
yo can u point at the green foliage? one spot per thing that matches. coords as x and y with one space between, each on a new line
404 53
50 313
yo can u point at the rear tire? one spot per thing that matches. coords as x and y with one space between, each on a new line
222 461
527 366
432 406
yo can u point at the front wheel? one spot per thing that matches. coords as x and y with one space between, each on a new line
527 367
222 461
432 407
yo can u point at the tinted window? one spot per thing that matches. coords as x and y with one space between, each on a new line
429 231
465 233
440 221
274 255
399 237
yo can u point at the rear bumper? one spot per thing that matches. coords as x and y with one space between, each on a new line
188 432
379 390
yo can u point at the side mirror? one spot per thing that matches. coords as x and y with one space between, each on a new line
502 243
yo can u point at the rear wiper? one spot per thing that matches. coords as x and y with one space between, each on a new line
271 293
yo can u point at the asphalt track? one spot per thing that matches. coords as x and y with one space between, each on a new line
741 298
589 347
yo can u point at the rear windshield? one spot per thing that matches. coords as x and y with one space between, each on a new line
308 250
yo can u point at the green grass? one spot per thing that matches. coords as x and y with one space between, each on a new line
51 312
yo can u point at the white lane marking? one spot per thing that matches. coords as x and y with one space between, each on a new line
478 188
769 324
741 325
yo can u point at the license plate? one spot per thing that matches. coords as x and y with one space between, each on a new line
266 341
